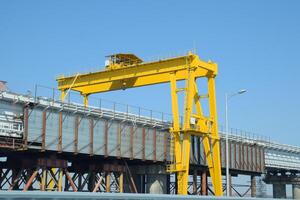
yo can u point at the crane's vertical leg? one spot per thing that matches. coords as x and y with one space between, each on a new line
85 100
205 141
176 126
63 95
215 137
186 144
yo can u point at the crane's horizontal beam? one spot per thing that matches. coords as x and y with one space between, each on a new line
137 75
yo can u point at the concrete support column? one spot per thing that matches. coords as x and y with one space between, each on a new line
156 184
253 186
279 191
296 191
150 179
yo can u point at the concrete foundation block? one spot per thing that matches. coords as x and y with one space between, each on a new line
296 191
156 184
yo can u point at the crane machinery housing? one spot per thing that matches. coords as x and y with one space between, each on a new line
124 71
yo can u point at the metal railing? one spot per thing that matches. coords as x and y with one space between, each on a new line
111 108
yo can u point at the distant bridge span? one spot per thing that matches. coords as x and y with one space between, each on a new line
40 134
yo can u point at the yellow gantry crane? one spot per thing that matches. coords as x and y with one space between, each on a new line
128 71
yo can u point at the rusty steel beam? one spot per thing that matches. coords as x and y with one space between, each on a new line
28 184
119 141
230 154
131 142
60 127
96 189
76 127
143 144
222 152
252 160
234 149
165 146
247 158
243 157
91 146
43 179
154 145
131 180
44 124
26 115
260 159
263 159
69 178
106 139
204 183
256 158
240 157
195 187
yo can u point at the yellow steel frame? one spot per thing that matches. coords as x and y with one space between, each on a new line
187 68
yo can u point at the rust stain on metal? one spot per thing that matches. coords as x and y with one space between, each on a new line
25 127
91 137
131 142
165 146
106 139
143 144
60 127
76 127
44 124
154 145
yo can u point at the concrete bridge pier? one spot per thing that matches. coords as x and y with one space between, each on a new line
156 180
296 191
279 190
151 179
280 180
156 184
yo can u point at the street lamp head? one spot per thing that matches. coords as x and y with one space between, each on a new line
242 91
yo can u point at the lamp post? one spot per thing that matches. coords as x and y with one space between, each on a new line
227 97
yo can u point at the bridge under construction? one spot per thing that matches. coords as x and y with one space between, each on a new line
54 144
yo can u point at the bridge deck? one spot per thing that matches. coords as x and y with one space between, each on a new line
47 125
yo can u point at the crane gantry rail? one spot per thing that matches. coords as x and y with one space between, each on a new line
128 71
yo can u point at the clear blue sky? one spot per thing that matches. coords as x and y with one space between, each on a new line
255 43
